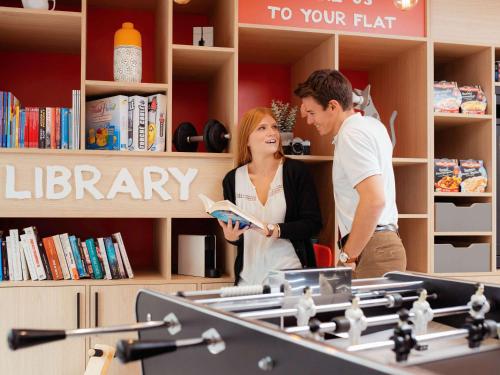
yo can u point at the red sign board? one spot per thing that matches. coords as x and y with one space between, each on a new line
367 16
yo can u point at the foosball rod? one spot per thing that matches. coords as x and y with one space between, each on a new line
23 338
421 339
373 321
392 300
265 301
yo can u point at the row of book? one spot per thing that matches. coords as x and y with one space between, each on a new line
62 256
123 123
39 127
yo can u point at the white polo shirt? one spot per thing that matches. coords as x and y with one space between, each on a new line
362 149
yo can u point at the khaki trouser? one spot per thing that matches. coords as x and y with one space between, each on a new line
383 253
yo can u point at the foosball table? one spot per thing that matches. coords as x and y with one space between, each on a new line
312 321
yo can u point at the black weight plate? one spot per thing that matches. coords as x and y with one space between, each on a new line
213 135
181 134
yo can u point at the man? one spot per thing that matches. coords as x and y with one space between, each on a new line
363 178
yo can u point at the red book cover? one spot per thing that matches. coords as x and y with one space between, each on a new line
57 128
50 249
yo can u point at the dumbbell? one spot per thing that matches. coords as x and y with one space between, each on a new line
215 135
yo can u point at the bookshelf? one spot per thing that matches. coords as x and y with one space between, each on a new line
249 65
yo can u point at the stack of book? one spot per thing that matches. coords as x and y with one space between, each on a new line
39 127
62 256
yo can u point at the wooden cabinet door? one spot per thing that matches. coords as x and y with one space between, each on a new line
42 308
112 305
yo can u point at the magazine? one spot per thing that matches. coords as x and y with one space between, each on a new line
225 210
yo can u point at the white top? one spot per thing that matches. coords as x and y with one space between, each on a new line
263 254
362 149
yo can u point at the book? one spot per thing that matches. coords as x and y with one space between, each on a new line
157 108
55 266
61 257
112 259
121 245
94 259
101 253
82 272
226 210
31 241
29 256
137 118
121 267
68 254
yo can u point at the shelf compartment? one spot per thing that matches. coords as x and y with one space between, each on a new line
150 18
273 61
198 63
389 65
277 45
219 14
111 88
467 142
225 253
142 239
39 30
411 182
466 65
203 88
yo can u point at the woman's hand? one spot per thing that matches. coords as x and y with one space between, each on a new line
232 232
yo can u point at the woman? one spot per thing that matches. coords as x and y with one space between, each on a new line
278 191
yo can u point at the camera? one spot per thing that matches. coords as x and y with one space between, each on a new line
298 146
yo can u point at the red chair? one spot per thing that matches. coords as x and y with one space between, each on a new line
323 255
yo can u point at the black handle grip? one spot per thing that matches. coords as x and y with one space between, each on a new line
23 338
132 350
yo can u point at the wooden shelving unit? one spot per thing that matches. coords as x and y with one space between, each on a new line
222 82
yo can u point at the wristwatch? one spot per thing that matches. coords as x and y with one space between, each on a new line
270 229
344 258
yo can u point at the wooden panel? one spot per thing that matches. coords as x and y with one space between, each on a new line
442 120
277 45
116 305
163 28
364 53
413 233
223 20
472 21
208 181
411 189
43 308
110 88
401 85
30 29
198 63
320 57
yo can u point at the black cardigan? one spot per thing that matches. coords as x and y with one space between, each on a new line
302 217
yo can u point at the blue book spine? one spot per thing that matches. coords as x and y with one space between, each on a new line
1 118
64 128
22 127
1 260
96 265
78 259
4 120
112 259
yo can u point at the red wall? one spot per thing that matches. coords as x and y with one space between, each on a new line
101 26
259 84
183 26
40 79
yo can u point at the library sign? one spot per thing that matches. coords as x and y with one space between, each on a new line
366 16
96 185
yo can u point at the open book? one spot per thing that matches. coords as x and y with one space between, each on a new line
226 210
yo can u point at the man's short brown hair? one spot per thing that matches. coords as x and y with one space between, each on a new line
325 85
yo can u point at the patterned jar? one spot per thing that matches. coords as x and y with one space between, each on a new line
128 54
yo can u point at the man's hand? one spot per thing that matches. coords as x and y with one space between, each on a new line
232 233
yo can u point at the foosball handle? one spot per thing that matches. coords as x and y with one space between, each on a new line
133 350
23 338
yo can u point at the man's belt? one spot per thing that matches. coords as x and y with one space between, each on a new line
379 228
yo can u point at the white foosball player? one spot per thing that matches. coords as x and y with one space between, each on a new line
478 303
423 313
357 321
306 308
